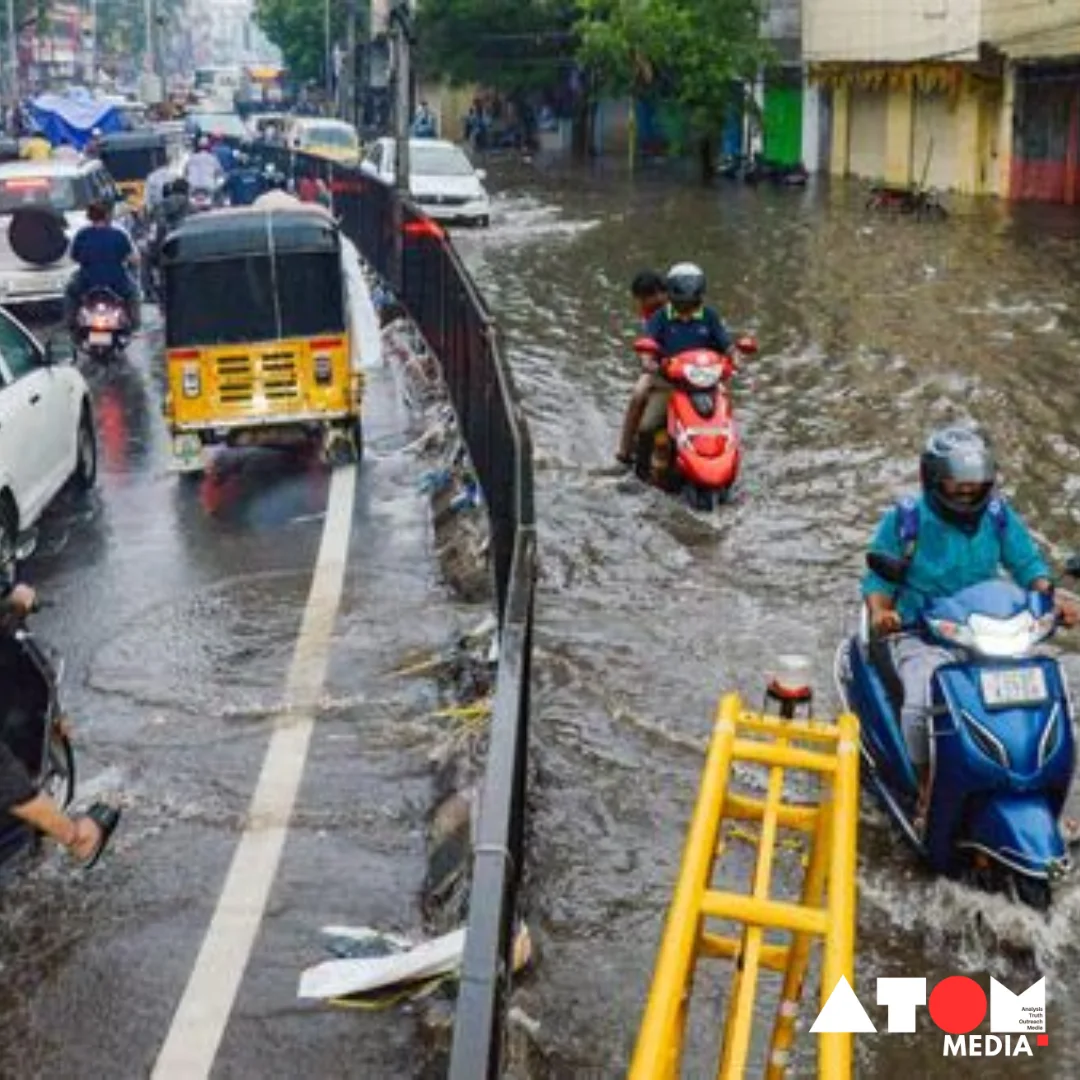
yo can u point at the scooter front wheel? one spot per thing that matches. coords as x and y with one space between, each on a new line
1034 892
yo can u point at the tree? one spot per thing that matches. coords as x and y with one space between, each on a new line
513 46
298 29
697 53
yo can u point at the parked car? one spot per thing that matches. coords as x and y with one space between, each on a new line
47 436
442 180
67 187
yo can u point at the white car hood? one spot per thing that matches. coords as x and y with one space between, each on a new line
468 187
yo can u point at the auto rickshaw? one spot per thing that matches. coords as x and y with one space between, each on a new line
130 157
258 334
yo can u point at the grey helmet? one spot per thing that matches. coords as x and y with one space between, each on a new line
960 454
686 283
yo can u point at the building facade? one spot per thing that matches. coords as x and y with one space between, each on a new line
973 96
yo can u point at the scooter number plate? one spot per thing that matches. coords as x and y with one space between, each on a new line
98 337
1013 686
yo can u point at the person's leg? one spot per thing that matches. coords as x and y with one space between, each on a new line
916 661
635 410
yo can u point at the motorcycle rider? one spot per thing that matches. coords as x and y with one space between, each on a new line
104 254
84 836
682 324
649 294
245 183
203 170
966 533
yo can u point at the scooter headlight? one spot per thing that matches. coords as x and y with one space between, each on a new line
1004 637
701 377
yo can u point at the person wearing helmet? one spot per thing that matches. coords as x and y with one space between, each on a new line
682 324
202 170
957 532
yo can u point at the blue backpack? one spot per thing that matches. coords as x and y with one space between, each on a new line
907 522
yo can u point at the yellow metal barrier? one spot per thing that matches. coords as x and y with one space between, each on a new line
826 909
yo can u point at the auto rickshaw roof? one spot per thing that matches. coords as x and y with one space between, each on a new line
133 140
224 234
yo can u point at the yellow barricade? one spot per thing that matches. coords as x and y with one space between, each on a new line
825 910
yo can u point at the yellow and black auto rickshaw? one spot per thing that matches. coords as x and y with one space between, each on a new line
258 334
130 157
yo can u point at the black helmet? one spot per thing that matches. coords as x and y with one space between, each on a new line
686 283
960 454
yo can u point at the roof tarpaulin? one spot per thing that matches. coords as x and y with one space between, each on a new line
70 118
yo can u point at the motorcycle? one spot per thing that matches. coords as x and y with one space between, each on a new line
102 325
1001 739
698 450
32 726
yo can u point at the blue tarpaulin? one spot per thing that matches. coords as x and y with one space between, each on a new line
70 118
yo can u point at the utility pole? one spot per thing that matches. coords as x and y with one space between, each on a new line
329 60
348 66
13 53
403 38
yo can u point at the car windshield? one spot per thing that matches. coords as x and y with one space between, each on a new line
223 123
17 192
439 161
330 135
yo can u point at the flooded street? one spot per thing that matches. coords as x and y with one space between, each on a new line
872 331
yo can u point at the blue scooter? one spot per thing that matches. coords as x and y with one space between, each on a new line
1002 748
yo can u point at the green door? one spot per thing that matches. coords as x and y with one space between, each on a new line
783 123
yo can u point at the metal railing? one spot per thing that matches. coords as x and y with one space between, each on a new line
419 263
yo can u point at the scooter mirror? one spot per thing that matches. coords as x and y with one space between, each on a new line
747 344
889 567
1072 565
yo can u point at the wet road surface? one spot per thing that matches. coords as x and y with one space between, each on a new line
872 330
178 605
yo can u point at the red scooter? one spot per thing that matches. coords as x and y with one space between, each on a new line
697 451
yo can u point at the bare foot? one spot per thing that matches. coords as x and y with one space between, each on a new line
88 835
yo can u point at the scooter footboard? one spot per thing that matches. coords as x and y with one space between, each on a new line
1019 831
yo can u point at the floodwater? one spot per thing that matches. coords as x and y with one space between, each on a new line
873 329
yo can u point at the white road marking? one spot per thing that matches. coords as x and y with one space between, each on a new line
199 1022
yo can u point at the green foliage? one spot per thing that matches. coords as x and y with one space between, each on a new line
507 45
298 29
688 52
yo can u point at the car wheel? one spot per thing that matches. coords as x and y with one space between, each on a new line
85 453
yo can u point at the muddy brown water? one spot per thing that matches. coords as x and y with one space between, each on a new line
873 329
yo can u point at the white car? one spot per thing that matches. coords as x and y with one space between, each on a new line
67 186
47 436
442 180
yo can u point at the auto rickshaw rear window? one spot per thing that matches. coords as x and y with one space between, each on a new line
247 299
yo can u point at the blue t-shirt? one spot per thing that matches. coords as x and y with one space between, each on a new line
676 333
102 252
947 559
243 186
